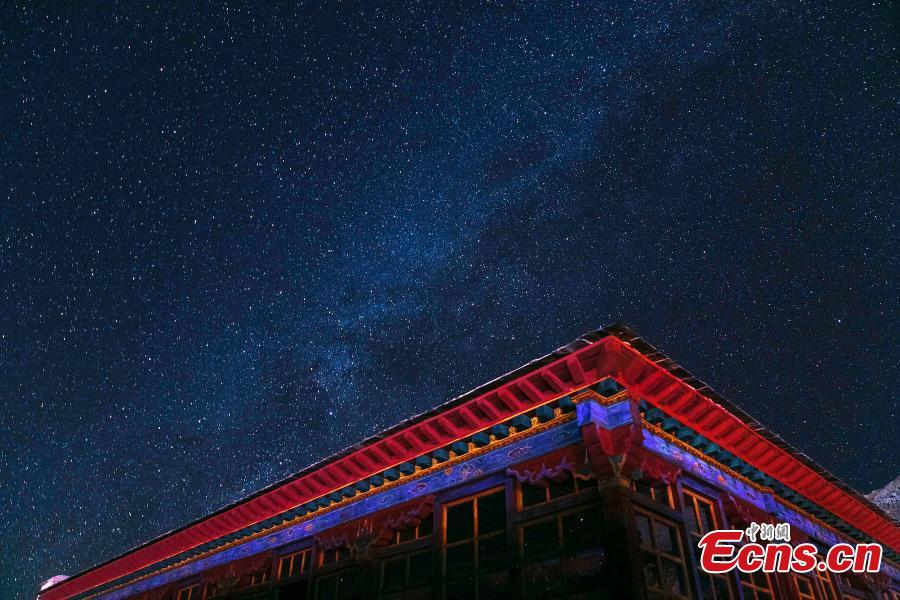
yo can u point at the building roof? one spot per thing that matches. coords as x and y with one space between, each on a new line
630 337
612 351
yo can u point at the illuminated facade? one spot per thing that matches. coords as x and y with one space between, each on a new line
588 473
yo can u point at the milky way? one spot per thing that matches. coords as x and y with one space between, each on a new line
233 242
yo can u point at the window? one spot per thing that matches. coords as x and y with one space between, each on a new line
532 495
662 557
700 517
569 533
334 555
407 576
825 584
816 585
756 586
293 565
475 547
414 533
189 593
658 492
344 585
563 554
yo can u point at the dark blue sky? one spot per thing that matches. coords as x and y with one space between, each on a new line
232 242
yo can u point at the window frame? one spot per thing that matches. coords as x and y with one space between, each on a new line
659 554
306 565
319 576
691 499
563 552
796 579
338 562
749 585
417 533
190 588
827 584
824 585
579 487
406 556
477 537
428 543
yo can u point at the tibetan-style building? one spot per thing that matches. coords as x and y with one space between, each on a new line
589 473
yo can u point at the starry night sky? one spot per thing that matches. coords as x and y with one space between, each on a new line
235 241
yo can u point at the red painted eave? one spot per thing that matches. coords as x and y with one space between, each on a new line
603 353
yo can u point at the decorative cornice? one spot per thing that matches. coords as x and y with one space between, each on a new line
504 453
562 471
556 416
697 453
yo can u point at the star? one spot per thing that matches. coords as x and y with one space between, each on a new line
234 242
